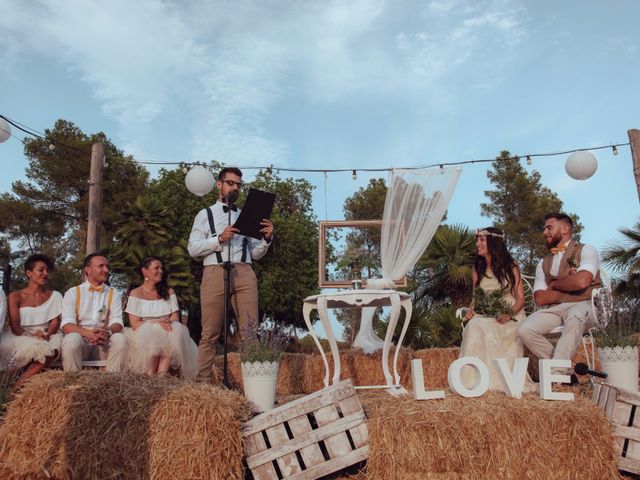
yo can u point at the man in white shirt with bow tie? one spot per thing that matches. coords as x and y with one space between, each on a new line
563 285
211 237
92 320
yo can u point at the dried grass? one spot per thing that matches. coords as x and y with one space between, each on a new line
108 425
490 437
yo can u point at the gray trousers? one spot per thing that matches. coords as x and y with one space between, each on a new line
575 317
75 349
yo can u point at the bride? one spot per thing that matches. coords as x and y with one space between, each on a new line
497 308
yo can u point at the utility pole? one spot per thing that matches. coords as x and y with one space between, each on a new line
634 141
95 198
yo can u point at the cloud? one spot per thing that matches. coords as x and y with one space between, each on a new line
221 68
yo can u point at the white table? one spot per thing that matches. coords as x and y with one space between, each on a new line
360 299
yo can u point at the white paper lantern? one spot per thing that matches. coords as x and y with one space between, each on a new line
581 165
199 181
5 130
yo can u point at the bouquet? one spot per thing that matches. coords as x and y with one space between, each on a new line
491 304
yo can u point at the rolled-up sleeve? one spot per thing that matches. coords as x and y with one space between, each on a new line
201 242
540 282
589 260
69 308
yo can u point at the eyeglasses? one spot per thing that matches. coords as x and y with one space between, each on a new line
232 183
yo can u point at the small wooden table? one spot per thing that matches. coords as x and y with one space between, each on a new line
360 299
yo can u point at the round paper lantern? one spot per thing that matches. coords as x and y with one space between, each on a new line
199 181
5 130
581 165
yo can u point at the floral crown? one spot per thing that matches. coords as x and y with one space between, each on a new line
488 233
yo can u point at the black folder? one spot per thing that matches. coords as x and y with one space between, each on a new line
257 207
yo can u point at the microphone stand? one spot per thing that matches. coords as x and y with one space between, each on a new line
227 294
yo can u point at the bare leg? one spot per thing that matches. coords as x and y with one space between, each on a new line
154 363
163 365
32 369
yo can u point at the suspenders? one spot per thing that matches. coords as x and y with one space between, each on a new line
109 301
212 227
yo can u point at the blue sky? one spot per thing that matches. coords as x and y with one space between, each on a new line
360 84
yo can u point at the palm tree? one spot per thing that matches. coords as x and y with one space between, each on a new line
445 270
624 259
144 229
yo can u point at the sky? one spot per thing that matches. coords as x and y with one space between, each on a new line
335 84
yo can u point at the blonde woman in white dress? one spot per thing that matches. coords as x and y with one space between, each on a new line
490 337
158 341
33 340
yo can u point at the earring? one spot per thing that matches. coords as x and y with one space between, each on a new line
146 278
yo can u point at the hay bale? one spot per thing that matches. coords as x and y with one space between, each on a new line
110 425
435 363
492 436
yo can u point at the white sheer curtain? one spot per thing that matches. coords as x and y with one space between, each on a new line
415 204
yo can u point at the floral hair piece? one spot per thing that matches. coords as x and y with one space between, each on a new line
488 233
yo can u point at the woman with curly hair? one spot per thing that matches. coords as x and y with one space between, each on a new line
33 340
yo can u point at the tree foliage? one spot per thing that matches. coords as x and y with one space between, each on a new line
623 256
48 212
517 205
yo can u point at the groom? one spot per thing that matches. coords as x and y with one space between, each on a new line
563 285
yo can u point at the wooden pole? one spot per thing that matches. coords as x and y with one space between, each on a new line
634 140
95 198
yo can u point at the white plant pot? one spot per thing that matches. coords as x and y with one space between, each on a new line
621 365
260 380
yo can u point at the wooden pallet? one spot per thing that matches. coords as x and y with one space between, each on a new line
623 410
308 438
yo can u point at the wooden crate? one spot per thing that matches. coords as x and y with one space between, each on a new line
623 410
308 438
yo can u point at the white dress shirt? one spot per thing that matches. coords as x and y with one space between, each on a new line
589 261
93 307
203 244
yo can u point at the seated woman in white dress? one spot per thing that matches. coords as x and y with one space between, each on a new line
497 308
34 318
158 341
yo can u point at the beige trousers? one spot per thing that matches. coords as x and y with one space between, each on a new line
75 349
244 300
576 318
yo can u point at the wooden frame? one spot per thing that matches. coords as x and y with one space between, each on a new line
323 282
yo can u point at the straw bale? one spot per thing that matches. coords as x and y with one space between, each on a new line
435 363
492 436
110 425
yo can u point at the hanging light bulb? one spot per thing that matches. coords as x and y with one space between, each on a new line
615 150
268 173
529 162
354 175
52 146
184 169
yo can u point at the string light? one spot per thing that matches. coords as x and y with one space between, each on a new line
268 173
185 169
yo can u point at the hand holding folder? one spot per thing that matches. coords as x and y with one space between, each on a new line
257 207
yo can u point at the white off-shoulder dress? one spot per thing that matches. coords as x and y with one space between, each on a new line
20 350
151 340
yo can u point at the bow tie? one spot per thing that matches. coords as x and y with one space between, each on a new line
555 250
96 289
225 209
